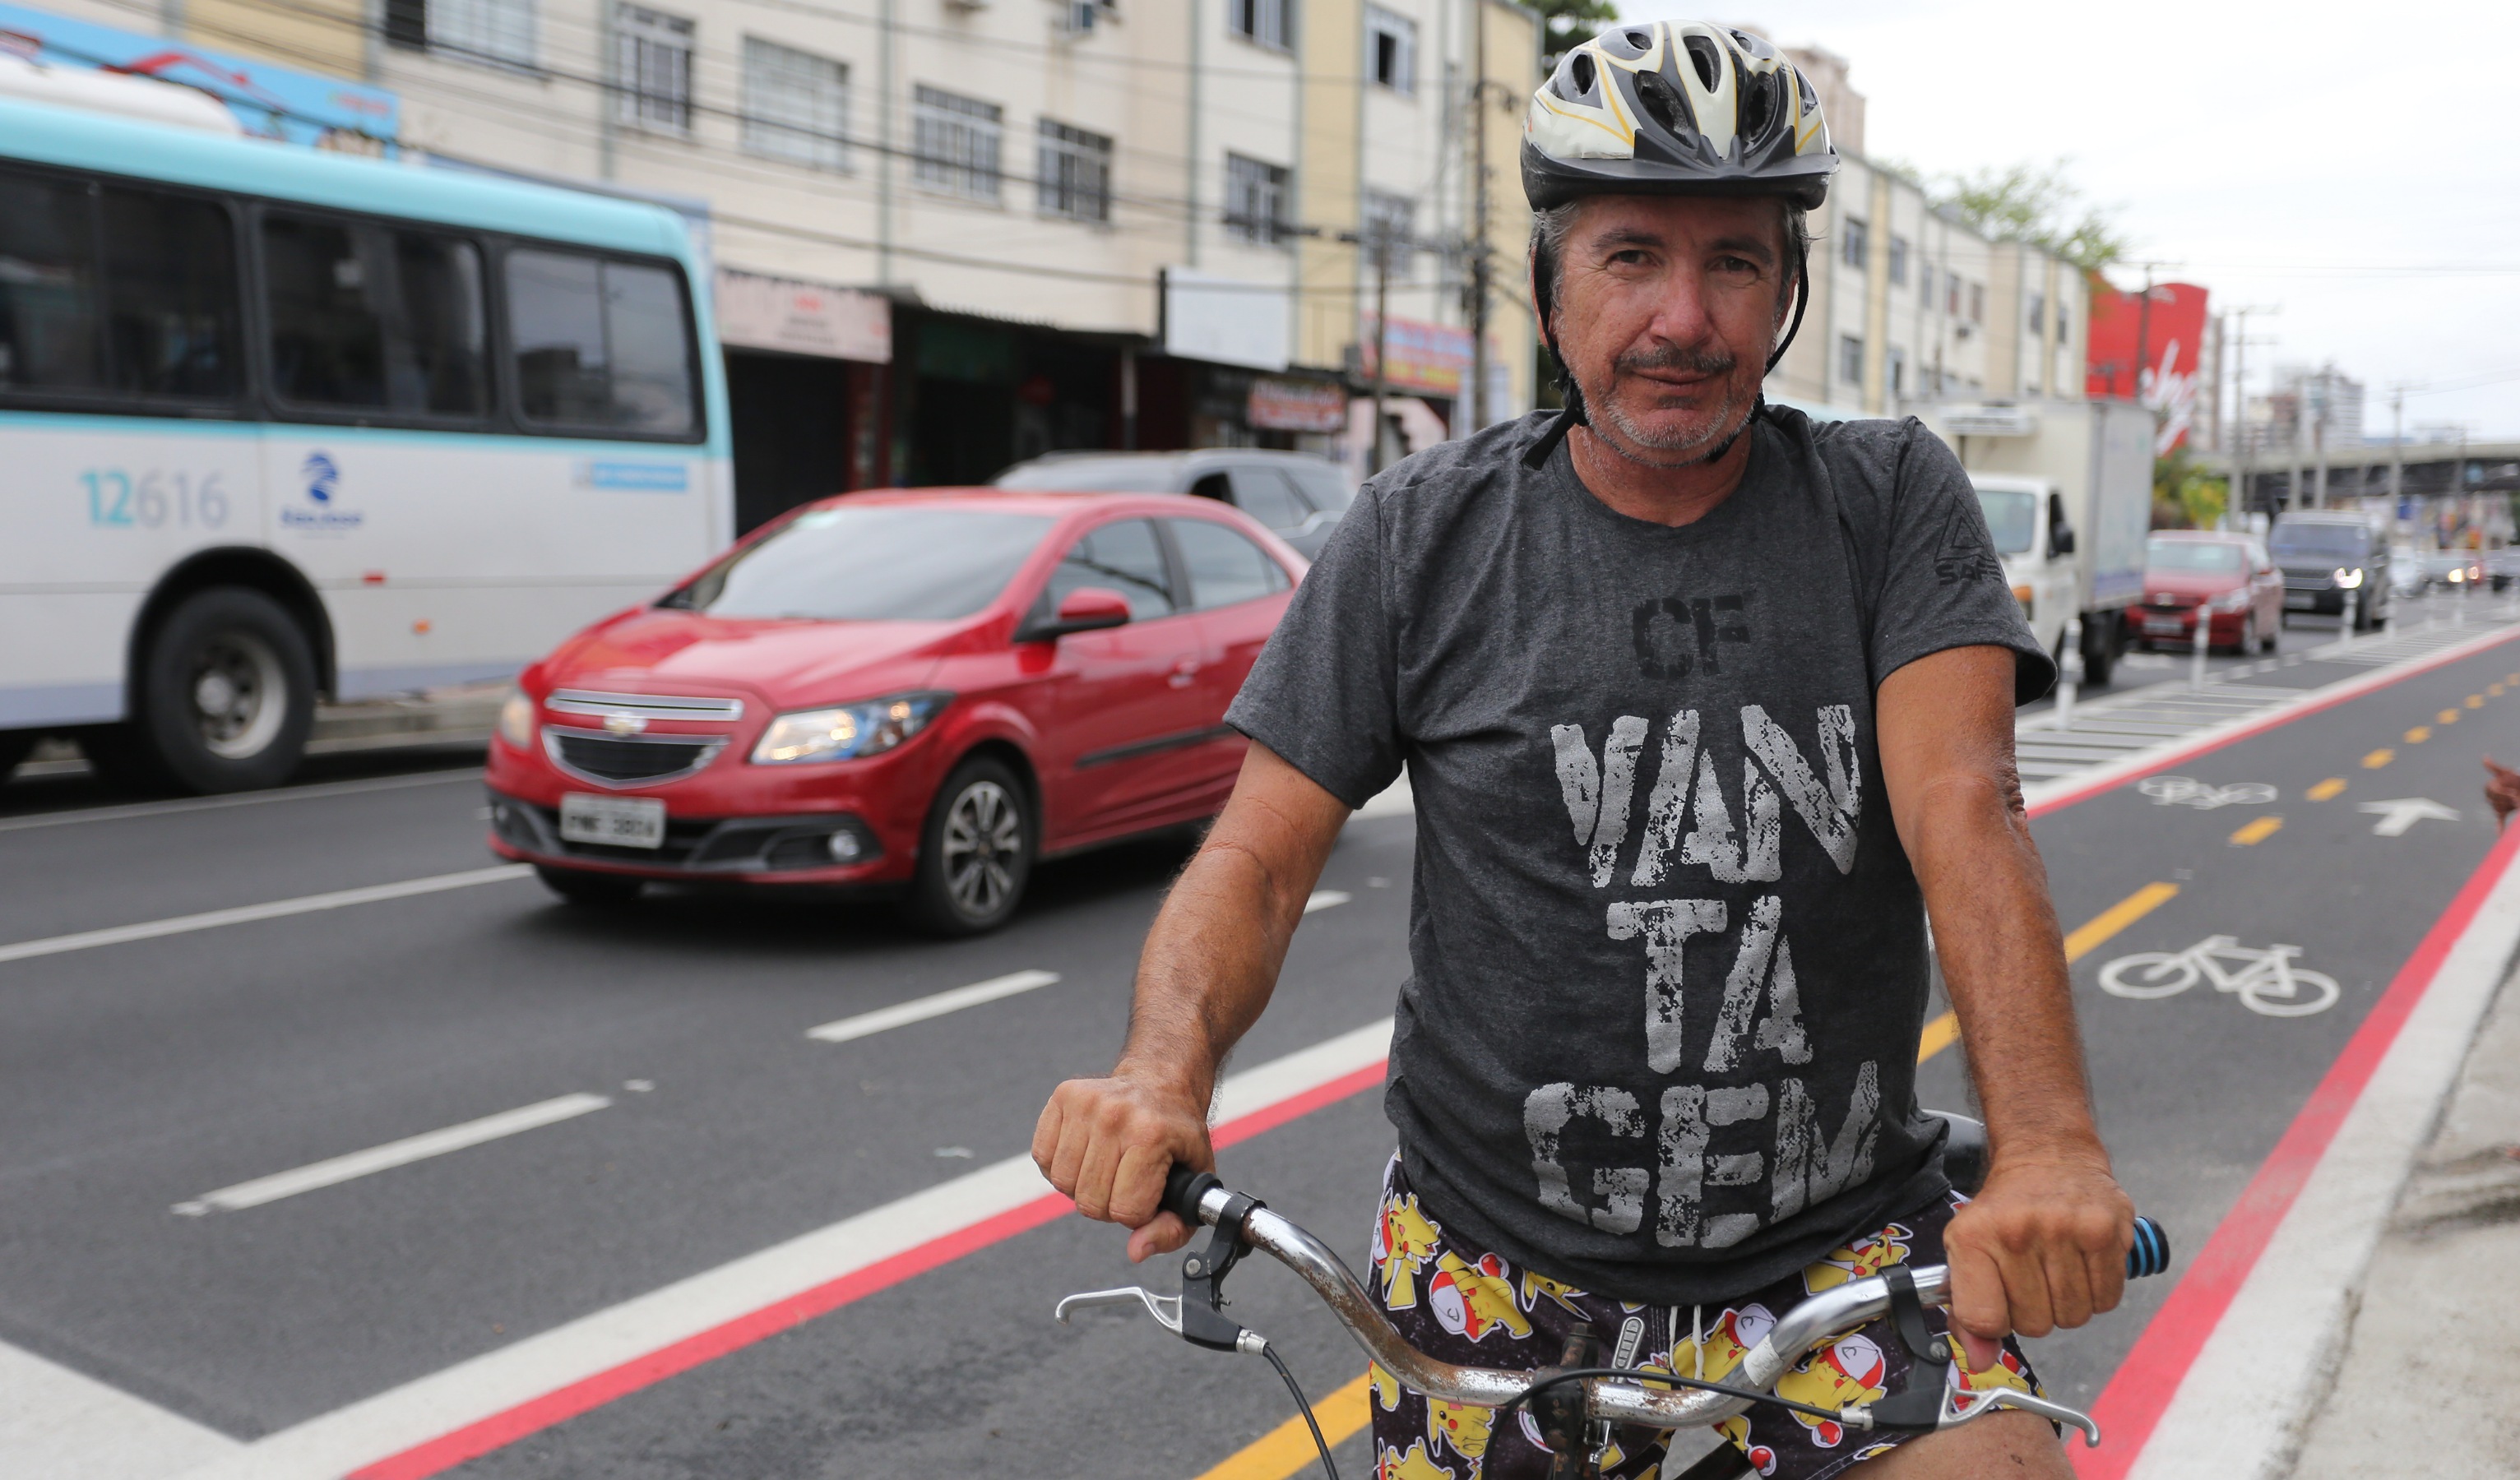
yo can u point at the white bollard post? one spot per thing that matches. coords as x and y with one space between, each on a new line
2204 639
2069 677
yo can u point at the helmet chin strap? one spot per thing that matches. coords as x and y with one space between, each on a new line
1574 416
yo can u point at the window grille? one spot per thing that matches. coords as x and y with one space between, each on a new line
795 105
956 140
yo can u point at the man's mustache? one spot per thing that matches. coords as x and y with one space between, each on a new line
1704 362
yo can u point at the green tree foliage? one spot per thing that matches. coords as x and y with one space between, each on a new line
1571 22
2033 204
2185 496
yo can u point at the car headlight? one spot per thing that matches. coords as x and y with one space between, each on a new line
847 731
2349 579
516 720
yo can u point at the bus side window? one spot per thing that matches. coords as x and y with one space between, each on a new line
368 318
170 296
51 331
600 345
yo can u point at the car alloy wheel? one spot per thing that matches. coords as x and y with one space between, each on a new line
976 853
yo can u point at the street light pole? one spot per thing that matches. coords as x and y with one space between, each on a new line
1381 342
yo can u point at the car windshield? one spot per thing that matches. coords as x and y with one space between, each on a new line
2211 555
885 562
2011 516
2324 542
1094 475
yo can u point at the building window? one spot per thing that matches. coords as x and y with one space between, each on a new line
1850 359
2061 324
955 143
1391 222
2038 310
1898 367
496 32
795 105
1977 302
652 68
1255 201
1853 249
1898 261
1269 23
1952 290
1075 173
1391 49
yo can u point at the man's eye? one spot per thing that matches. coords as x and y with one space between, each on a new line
1629 258
1735 265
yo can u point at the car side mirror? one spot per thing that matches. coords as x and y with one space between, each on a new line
2060 540
1087 609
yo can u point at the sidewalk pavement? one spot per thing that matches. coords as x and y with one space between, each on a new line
2425 1388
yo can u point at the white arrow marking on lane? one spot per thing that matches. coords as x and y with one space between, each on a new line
2396 817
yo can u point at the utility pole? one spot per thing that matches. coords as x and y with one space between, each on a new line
2396 446
2143 334
1381 342
2239 500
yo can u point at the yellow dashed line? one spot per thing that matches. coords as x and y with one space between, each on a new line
1939 1034
2476 701
2493 689
1287 1448
2328 788
2418 735
2116 918
2378 758
2257 832
2447 717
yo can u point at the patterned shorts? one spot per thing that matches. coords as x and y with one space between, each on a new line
1461 1305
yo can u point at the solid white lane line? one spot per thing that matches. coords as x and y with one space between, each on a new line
393 1153
55 1421
248 799
374 1428
920 1009
277 909
1327 899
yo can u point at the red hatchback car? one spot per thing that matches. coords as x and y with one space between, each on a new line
922 691
2228 575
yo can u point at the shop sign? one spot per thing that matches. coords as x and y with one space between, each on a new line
1297 406
1224 321
1428 357
757 312
269 101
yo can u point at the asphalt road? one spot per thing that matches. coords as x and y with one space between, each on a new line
141 1075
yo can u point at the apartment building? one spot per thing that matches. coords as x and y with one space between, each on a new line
950 233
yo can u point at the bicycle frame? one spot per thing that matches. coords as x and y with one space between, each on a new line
1242 1223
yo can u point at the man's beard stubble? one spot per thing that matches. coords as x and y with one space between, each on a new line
1715 364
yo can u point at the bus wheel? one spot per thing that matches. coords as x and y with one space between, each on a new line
226 692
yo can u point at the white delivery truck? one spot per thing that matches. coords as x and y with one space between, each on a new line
2067 490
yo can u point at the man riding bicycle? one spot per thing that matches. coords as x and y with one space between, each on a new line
1706 708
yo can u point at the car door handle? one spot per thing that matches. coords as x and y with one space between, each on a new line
1184 673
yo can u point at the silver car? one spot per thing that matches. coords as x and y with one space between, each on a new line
1297 495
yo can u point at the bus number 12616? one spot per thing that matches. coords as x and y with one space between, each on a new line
113 500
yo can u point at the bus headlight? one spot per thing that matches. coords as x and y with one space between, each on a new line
516 720
2347 580
846 731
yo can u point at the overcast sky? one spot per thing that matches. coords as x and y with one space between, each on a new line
2353 163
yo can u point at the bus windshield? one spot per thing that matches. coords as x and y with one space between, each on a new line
873 564
2011 516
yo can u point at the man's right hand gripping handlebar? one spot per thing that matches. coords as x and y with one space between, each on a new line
1108 1144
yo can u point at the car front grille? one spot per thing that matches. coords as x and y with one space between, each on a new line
630 760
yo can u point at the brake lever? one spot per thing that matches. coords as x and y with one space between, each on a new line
1956 1412
1166 1309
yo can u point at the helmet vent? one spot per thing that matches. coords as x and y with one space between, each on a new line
1703 51
1581 67
1639 40
1758 106
1662 104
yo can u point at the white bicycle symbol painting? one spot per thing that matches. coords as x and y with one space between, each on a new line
2267 982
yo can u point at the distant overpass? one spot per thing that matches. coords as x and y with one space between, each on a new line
2428 470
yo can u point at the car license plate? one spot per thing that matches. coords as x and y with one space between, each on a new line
2300 601
2163 626
620 821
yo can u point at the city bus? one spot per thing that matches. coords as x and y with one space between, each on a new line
278 425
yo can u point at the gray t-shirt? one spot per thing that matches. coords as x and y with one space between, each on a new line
1669 959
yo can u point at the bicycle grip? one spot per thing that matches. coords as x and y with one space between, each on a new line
1184 1187
2150 1254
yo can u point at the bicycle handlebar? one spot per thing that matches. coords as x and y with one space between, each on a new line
1200 1197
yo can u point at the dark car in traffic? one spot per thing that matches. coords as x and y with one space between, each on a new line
1296 496
2334 564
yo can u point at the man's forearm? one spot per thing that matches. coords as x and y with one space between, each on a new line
1210 962
1995 931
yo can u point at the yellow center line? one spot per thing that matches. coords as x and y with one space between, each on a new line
2418 735
2326 789
2447 717
2257 832
2476 701
1288 1449
2493 689
2378 758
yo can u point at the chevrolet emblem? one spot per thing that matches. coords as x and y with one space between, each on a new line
624 724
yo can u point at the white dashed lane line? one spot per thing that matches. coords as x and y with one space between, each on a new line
336 1170
920 1009
242 915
